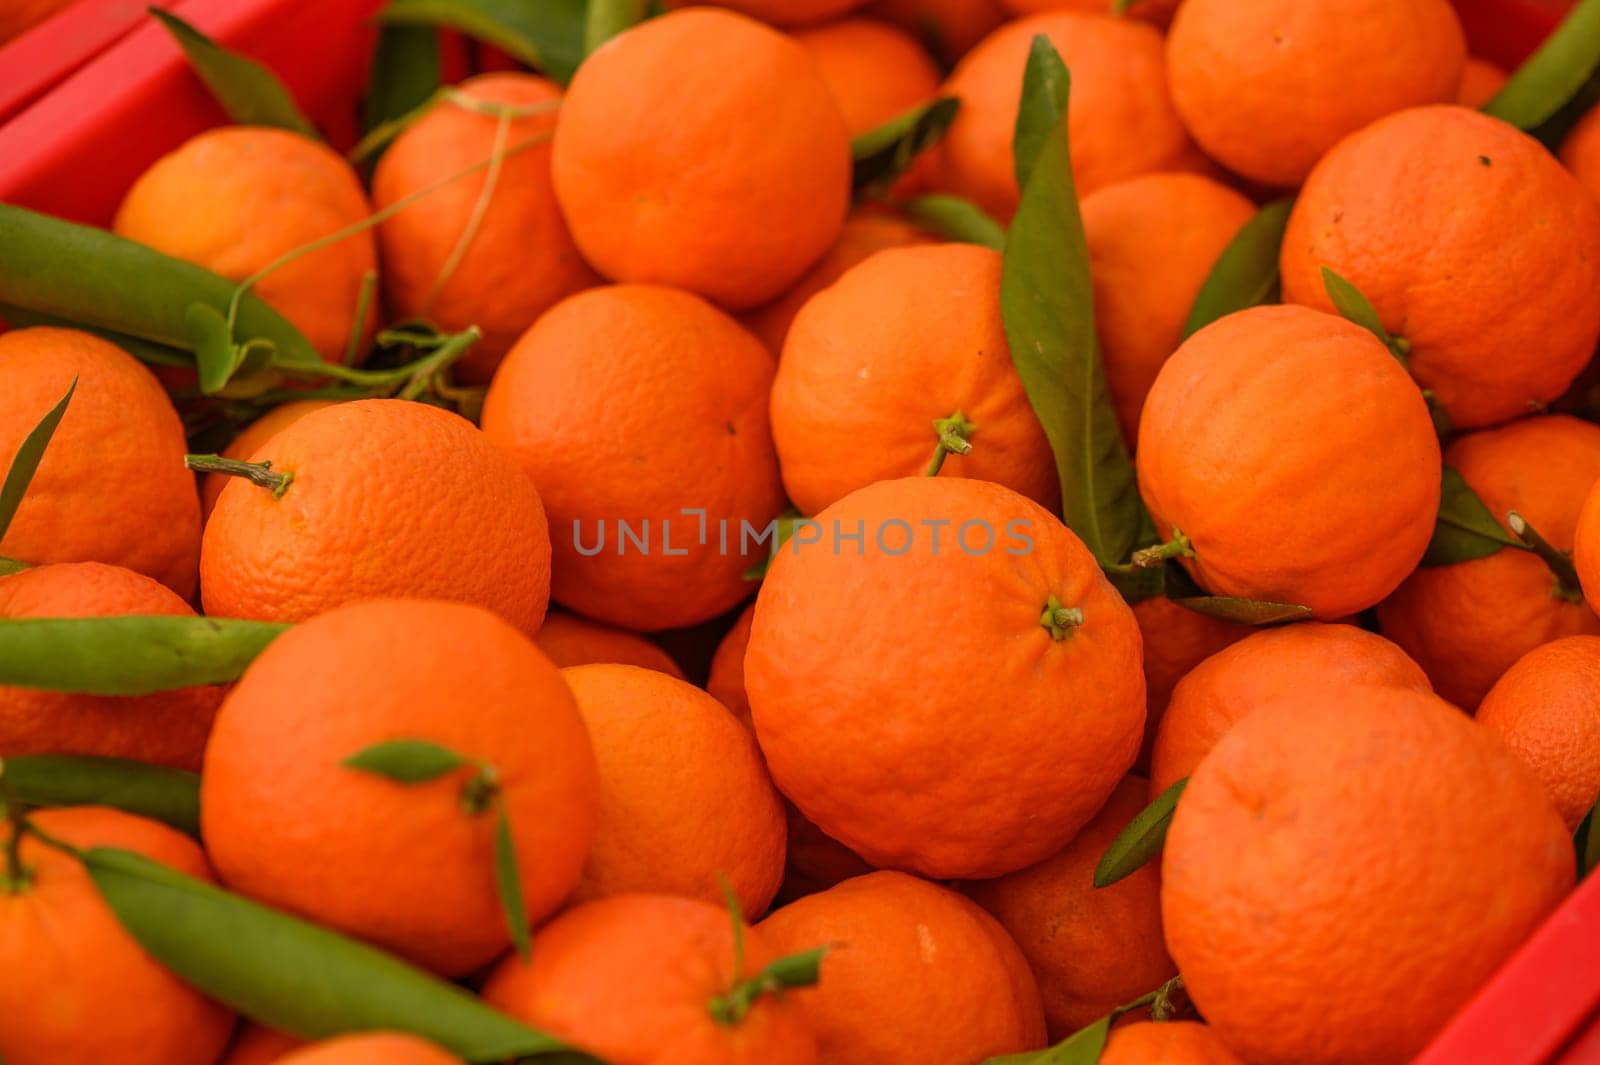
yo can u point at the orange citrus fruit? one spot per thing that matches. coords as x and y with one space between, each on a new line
251 439
371 1049
572 640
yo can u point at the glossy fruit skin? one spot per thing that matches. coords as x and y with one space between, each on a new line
919 973
1091 949
1269 665
782 12
1546 708
1410 198
629 404
389 498
890 690
1332 519
1176 640
630 978
750 188
521 260
250 440
1347 867
1580 152
1268 87
1468 622
1152 243
1121 120
685 801
1480 81
864 235
907 337
91 993
949 28
875 71
573 640
406 867
166 728
371 1049
1166 1043
111 486
237 198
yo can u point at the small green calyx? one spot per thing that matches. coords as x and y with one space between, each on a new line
1060 620
480 791
954 435
730 1008
1177 547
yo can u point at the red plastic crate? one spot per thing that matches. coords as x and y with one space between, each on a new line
95 95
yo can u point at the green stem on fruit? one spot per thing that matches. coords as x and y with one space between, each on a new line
1560 562
480 208
953 434
482 789
16 877
1160 1001
1060 620
358 325
257 473
1177 547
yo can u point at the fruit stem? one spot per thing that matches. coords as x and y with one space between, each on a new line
481 790
1559 561
257 473
16 876
953 433
1060 620
1151 557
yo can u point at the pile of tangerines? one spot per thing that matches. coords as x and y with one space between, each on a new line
748 556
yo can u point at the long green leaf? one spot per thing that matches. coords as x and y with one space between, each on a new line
1046 89
1082 1047
1141 840
607 18
146 351
547 34
406 761
1466 528
1246 273
128 655
294 976
884 153
1353 305
1047 303
86 275
1244 611
1554 74
954 218
28 457
405 73
250 93
508 883
171 796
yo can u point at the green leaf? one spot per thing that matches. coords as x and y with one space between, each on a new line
954 218
95 279
1246 273
1466 529
128 655
1141 840
547 34
1587 841
1554 74
214 352
1047 303
1354 306
1244 611
405 74
29 454
250 93
607 18
146 351
1046 89
406 761
8 566
1082 1047
508 882
294 976
171 796
884 153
